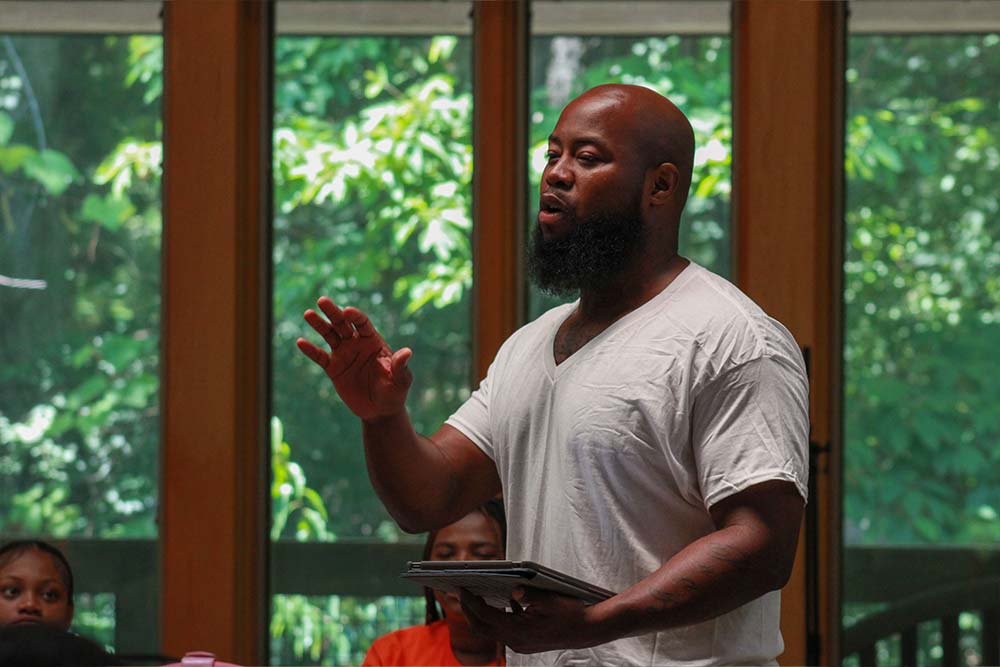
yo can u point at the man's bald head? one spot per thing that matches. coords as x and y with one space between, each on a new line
660 131
617 175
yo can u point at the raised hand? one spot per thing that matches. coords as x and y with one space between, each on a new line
371 379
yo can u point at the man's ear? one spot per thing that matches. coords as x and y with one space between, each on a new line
665 178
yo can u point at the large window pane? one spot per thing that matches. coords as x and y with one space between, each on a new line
691 69
79 315
922 319
373 172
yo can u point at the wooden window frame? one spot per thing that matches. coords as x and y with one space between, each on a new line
787 228
216 306
215 506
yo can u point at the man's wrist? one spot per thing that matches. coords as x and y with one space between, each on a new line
607 621
383 421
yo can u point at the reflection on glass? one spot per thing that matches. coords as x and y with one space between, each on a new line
922 306
373 173
79 297
693 71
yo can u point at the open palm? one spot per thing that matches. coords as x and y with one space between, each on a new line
372 380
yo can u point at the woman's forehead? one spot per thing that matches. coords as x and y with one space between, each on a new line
473 527
34 563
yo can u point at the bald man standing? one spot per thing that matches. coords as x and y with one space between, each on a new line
650 437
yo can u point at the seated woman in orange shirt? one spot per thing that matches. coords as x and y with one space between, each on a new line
479 535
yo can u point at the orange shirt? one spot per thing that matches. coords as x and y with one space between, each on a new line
424 645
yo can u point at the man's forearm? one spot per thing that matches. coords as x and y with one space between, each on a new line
714 575
409 472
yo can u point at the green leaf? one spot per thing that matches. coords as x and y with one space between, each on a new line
887 156
52 169
89 390
110 211
706 186
277 435
6 127
12 157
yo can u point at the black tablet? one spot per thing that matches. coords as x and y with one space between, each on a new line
493 580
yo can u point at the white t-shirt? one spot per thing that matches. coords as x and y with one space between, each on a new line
610 460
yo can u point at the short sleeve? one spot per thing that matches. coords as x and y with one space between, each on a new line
473 417
751 425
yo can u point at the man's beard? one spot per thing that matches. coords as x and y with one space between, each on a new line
596 250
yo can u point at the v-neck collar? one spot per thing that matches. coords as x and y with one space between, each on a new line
555 371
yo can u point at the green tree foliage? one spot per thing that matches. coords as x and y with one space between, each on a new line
79 212
921 290
373 172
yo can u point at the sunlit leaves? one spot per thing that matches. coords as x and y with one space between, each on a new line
14 156
292 500
6 127
146 65
52 169
85 215
385 158
131 161
109 211
921 291
335 630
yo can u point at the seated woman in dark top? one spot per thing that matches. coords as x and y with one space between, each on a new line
36 585
479 535
36 610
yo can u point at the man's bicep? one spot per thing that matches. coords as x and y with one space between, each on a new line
475 472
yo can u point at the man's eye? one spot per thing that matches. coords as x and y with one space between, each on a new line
551 155
10 591
51 596
487 555
586 157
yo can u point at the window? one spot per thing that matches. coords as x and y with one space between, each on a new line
79 297
97 66
373 173
922 315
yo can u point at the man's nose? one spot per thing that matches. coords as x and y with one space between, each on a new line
558 174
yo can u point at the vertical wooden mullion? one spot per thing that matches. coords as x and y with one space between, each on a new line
500 80
788 189
216 194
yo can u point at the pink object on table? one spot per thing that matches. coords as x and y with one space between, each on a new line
203 658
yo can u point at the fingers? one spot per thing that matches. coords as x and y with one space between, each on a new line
323 328
401 374
317 355
338 323
483 618
360 322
